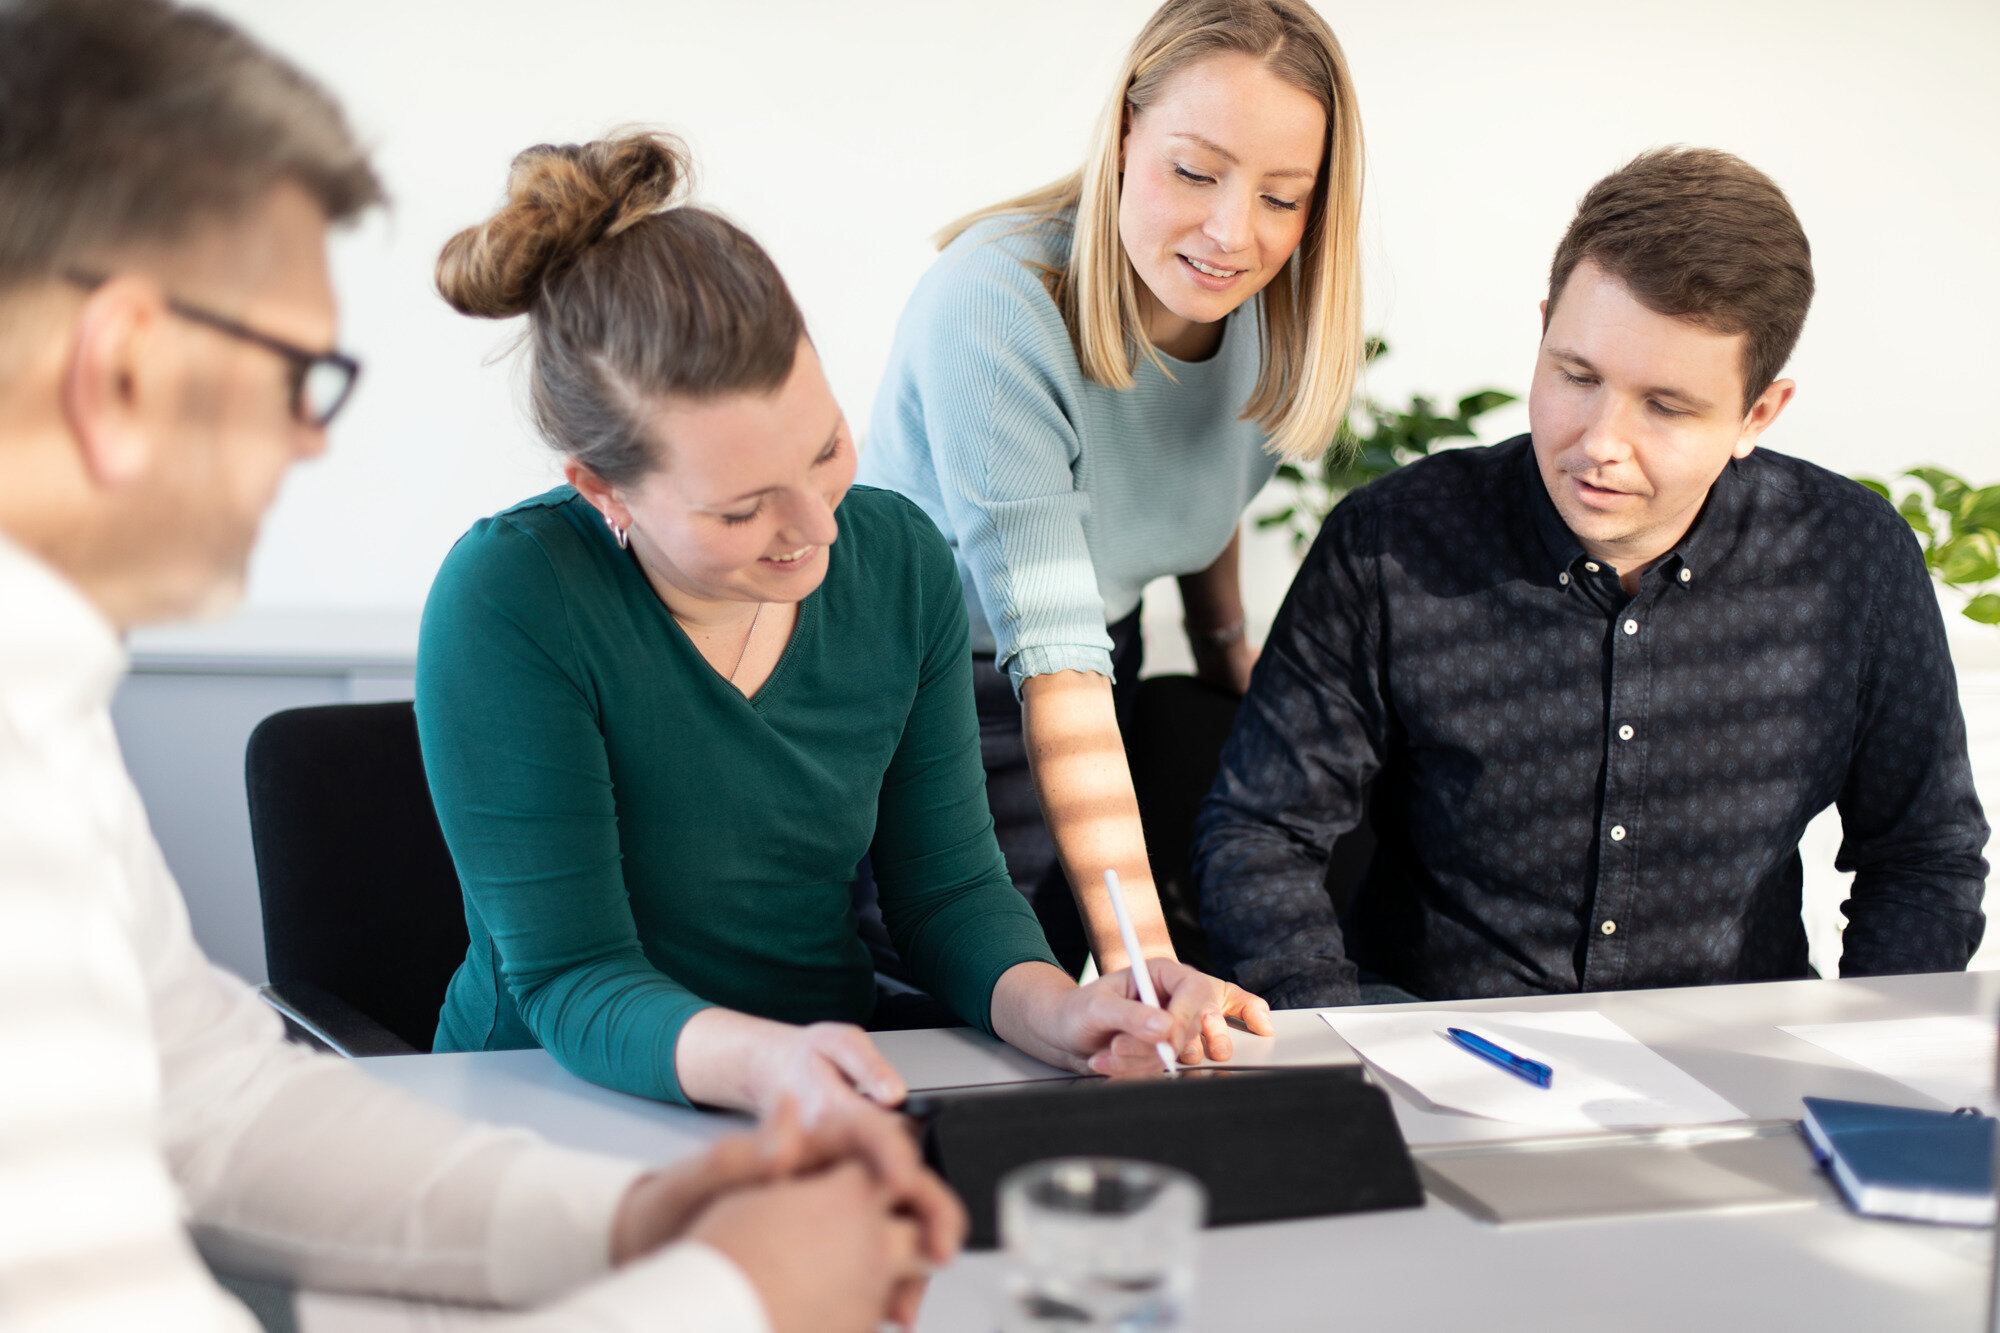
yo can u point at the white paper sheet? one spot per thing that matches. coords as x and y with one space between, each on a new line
1949 1058
1604 1077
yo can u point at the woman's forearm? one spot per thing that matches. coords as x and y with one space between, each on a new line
1085 788
727 1058
1024 1007
1212 606
1212 598
717 1057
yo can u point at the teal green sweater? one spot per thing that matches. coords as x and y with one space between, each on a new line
637 841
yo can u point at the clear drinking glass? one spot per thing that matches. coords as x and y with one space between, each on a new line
1099 1244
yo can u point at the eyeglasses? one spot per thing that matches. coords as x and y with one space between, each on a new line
321 382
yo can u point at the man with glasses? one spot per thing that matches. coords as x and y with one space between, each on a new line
166 353
321 382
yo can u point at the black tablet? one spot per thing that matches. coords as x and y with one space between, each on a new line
1268 1142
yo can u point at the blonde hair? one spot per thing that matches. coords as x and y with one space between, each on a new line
1310 331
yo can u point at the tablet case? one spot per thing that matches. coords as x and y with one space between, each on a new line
1268 1144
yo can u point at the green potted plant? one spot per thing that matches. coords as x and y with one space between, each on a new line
1388 438
1959 526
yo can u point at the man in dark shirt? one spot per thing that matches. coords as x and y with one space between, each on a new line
1595 681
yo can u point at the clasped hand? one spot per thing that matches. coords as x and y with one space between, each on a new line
837 1226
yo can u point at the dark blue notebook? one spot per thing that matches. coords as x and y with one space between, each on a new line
1899 1161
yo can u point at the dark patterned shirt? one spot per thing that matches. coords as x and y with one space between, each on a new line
1577 790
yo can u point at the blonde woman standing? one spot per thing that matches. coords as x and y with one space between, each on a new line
1091 384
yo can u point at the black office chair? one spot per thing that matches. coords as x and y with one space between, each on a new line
363 921
1179 725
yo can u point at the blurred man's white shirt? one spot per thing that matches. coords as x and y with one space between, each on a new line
145 1095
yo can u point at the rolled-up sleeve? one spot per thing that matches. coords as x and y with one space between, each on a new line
1004 442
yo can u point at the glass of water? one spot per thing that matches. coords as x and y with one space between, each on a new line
1099 1244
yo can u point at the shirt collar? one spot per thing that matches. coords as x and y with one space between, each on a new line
1556 540
1707 539
1715 528
60 659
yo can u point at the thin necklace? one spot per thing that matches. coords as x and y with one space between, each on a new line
744 651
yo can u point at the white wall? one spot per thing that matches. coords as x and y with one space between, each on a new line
842 134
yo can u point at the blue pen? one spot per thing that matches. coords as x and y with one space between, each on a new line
1520 1066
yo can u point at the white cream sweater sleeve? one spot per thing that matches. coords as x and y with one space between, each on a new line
147 1099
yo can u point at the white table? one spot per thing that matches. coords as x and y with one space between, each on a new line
1814 1267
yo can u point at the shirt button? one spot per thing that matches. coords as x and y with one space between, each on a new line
1625 732
1686 574
1590 565
1609 928
1631 627
1563 578
1617 833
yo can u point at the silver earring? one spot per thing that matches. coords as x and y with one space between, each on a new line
618 533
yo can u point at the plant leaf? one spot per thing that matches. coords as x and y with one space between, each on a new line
1917 514
1373 440
1946 489
1979 511
1968 560
1984 608
1482 401
1880 488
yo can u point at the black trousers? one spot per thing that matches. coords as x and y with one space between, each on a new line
1024 839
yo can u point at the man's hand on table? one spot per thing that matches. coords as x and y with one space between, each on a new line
836 1226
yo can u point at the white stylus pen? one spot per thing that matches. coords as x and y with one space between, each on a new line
1142 977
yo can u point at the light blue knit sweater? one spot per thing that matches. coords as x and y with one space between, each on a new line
1061 499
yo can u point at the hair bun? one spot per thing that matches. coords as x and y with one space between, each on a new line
561 200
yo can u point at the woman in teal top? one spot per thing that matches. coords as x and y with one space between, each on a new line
1090 385
667 708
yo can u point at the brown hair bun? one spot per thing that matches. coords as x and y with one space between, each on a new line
632 295
561 200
